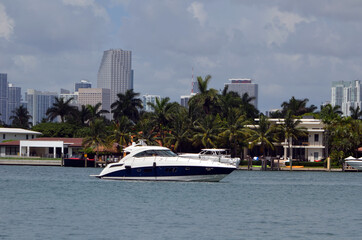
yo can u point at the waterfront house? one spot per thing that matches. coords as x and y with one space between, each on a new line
310 148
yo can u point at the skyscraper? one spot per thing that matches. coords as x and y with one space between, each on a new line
82 84
242 86
115 72
346 94
92 96
14 99
3 96
38 103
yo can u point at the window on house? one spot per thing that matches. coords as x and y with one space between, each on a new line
27 136
316 137
3 136
316 155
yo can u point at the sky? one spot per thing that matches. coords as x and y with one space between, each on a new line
288 47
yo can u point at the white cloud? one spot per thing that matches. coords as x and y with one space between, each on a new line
97 10
198 12
25 62
6 24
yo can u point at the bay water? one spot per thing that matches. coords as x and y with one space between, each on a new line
66 203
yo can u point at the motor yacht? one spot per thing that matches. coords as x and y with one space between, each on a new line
161 164
354 162
214 154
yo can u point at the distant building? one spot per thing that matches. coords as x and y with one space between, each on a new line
82 84
92 96
64 91
346 94
14 100
242 86
38 103
185 100
3 97
149 99
115 72
67 96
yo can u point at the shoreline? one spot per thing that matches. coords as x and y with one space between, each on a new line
57 163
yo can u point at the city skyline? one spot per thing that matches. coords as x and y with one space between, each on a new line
290 48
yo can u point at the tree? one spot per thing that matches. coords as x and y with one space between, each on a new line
55 129
179 133
249 109
206 131
145 130
234 130
94 112
21 118
297 107
206 101
97 136
127 105
291 130
329 113
356 113
263 134
121 132
60 108
161 116
228 101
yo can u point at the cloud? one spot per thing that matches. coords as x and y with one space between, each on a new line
7 24
98 10
198 12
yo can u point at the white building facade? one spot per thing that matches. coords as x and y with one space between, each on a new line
149 99
115 72
346 94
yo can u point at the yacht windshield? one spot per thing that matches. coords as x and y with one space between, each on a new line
161 153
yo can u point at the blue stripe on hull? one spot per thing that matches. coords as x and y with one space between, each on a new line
169 171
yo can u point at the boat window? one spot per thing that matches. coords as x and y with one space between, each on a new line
150 153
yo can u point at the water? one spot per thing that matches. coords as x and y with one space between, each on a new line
65 203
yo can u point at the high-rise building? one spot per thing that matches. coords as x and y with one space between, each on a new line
346 94
115 72
82 84
3 97
92 96
242 86
185 100
38 103
149 99
14 100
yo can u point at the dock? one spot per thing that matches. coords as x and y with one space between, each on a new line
30 162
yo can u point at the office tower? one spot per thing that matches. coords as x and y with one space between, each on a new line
242 86
38 103
82 84
346 94
14 99
115 72
3 97
185 100
149 99
92 96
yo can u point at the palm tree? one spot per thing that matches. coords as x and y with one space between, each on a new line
94 112
206 100
263 134
97 136
328 113
356 113
249 109
206 131
128 105
121 132
162 115
234 130
290 130
21 117
297 107
145 130
228 101
60 108
179 132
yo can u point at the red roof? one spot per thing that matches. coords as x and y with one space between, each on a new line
74 142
